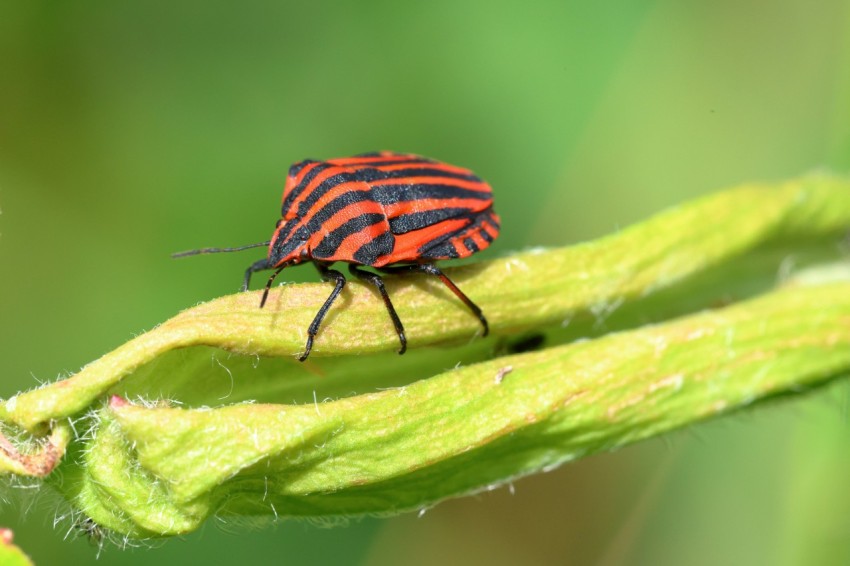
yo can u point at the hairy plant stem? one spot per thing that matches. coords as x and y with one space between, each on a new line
701 310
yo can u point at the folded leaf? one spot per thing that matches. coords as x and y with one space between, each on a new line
358 430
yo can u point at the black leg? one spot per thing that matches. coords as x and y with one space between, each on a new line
376 280
432 269
327 275
261 265
269 285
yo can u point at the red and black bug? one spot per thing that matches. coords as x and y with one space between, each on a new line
390 211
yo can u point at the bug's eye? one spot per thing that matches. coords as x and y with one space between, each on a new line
279 222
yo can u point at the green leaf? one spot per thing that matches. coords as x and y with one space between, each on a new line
153 458
11 555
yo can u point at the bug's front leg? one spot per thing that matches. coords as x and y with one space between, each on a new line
339 280
261 265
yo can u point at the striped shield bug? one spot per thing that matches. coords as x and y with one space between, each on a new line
393 212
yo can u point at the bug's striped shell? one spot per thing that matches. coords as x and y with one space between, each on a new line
382 208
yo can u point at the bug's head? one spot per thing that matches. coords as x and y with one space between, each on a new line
288 245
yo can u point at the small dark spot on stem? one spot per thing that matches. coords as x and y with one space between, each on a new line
527 344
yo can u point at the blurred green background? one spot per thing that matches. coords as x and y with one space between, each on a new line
132 130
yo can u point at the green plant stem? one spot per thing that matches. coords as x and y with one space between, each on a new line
477 426
153 468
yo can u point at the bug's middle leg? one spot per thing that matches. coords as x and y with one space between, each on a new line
376 280
339 280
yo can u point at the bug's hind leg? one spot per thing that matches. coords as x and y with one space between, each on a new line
376 280
432 269
339 280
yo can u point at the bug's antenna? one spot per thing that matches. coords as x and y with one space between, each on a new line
220 250
270 281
